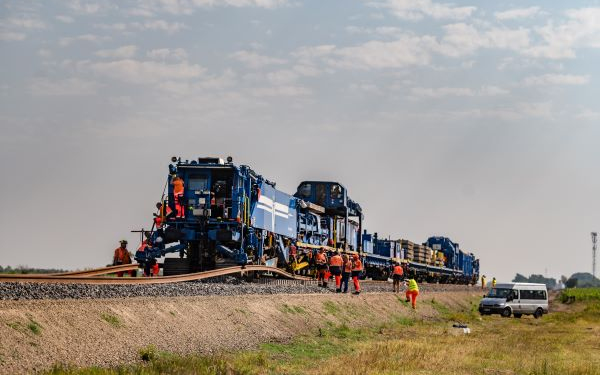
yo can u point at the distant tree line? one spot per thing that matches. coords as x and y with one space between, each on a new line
540 279
25 269
579 280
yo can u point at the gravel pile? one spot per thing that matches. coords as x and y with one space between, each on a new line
231 287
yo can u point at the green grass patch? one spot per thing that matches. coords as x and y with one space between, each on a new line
442 309
285 308
113 320
580 294
331 308
34 327
31 326
15 325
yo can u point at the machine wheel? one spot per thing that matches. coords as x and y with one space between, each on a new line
538 313
518 316
176 266
506 312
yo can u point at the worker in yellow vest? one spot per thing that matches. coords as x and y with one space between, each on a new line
412 292
493 282
483 281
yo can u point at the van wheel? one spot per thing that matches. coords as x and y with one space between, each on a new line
506 312
518 316
538 313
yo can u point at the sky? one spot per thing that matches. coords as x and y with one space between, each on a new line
476 120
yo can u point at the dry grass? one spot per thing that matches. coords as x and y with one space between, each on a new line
560 343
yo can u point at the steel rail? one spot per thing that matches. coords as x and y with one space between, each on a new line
99 271
69 279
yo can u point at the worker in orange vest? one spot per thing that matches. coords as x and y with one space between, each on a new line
121 256
177 183
335 266
151 268
412 292
164 214
346 271
357 268
397 275
321 262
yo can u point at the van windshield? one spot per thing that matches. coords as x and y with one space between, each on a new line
499 293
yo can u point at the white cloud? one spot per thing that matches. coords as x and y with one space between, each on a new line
440 92
65 19
280 91
150 8
517 13
381 30
24 23
11 36
176 54
282 77
161 25
64 42
459 40
123 52
580 30
462 39
408 50
147 72
87 7
255 60
66 87
414 10
556 79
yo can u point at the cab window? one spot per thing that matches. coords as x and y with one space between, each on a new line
321 194
197 182
305 190
336 192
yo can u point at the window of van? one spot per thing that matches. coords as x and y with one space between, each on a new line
533 294
499 293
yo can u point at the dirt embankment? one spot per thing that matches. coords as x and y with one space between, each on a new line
34 335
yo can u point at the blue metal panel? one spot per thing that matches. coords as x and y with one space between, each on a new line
275 211
262 216
285 214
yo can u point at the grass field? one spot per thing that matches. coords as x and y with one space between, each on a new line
565 342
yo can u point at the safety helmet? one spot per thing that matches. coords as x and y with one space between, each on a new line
123 241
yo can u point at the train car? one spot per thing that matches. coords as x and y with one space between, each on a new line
214 213
226 215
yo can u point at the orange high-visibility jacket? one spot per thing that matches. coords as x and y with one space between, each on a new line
177 183
398 270
357 265
321 258
335 261
121 256
348 266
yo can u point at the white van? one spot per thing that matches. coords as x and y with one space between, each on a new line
517 299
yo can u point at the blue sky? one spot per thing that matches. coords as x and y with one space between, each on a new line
476 120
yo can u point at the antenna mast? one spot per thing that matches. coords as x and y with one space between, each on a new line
594 240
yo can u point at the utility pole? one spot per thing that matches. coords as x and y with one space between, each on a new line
594 240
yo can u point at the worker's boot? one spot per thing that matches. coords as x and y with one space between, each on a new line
357 292
325 285
338 290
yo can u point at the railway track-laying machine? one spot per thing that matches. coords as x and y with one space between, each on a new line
228 215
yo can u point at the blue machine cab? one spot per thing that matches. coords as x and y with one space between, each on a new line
342 218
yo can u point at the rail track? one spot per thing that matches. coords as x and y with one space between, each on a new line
92 276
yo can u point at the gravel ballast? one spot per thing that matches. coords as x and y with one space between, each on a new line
231 287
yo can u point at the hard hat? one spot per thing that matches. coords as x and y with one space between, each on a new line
123 241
